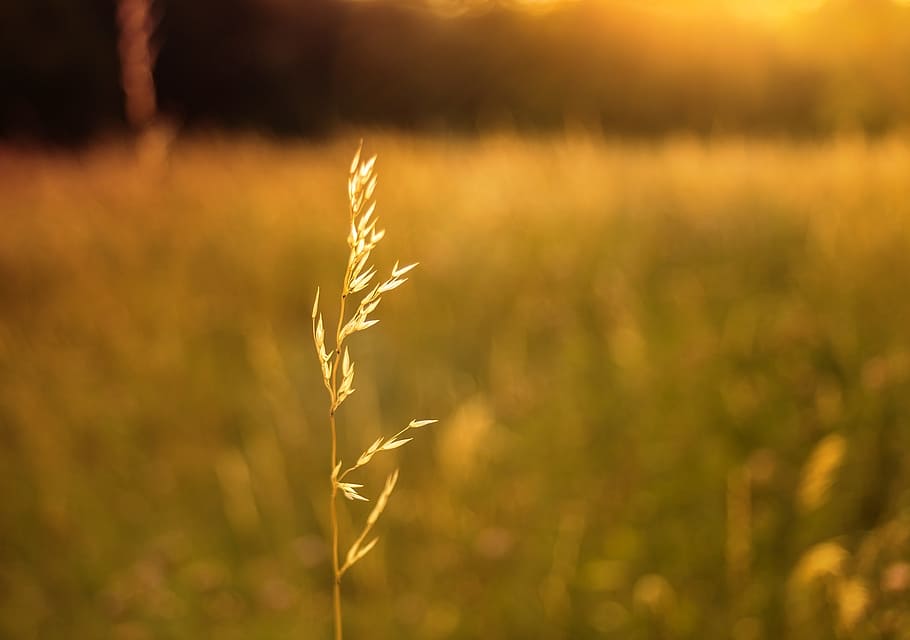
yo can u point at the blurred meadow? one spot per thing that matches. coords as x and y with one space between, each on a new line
673 379
662 313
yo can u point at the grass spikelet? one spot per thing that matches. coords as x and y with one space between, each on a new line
824 559
363 236
820 470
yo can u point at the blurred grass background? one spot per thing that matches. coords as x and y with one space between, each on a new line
673 380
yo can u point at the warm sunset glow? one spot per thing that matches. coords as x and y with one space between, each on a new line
758 8
753 9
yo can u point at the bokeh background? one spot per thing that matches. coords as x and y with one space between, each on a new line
662 313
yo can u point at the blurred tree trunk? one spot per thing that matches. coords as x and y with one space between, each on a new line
136 61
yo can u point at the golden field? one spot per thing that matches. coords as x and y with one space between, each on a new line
672 378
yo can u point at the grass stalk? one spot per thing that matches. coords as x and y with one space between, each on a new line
358 276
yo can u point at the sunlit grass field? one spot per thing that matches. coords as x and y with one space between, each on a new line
672 378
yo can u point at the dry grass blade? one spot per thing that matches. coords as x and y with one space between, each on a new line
359 274
394 444
357 551
349 489
390 483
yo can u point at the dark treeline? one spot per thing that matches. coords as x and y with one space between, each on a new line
306 67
